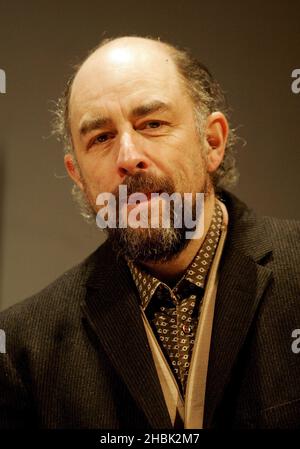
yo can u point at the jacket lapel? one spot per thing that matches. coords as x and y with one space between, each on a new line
242 282
112 309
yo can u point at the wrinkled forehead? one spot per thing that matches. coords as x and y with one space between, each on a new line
122 71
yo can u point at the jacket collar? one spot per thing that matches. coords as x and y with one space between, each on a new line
243 279
112 308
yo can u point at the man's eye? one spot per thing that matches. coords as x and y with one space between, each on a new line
153 124
102 138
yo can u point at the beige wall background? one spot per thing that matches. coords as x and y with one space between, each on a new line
251 47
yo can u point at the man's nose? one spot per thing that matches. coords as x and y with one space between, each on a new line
131 157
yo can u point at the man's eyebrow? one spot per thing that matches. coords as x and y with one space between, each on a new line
89 125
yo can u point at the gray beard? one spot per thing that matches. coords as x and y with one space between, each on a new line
151 244
144 244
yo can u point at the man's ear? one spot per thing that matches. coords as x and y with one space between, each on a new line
216 137
72 169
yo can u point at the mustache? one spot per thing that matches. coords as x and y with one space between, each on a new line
143 183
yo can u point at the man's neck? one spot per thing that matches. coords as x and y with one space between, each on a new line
170 272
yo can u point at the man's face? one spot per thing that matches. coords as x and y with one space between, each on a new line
131 119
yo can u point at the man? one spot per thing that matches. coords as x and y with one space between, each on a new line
154 329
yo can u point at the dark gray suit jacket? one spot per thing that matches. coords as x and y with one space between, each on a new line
78 356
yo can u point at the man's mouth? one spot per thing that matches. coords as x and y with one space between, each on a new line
145 194
141 198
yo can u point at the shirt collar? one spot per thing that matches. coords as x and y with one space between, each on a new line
197 271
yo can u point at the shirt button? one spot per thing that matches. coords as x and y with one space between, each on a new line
186 328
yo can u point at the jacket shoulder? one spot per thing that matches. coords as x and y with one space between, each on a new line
54 306
283 232
251 229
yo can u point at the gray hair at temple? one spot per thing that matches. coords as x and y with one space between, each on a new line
203 89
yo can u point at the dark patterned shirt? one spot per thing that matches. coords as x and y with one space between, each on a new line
173 312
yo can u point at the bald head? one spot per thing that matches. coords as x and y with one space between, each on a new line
122 66
127 49
121 53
